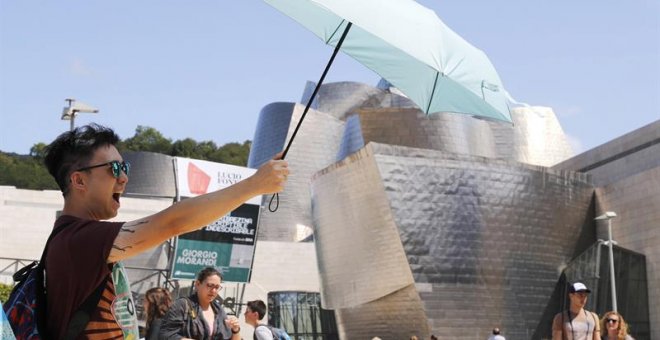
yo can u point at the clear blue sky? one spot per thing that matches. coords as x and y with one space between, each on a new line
204 69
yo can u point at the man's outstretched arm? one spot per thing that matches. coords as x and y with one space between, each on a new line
194 213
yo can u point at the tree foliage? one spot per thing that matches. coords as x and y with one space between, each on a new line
147 139
4 292
25 172
29 172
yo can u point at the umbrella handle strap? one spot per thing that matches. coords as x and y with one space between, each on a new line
276 197
277 203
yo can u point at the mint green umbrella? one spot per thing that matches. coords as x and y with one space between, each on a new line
410 47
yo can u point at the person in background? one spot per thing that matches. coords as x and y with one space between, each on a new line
255 312
614 327
576 323
157 302
496 335
84 260
200 315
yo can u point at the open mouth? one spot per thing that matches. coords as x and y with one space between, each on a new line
116 196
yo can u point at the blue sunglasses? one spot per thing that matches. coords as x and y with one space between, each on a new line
117 167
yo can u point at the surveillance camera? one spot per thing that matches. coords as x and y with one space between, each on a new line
82 107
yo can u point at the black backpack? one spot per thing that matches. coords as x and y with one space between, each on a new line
26 307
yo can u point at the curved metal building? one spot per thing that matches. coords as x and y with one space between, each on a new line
430 219
453 244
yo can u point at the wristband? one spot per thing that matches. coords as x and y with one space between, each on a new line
236 332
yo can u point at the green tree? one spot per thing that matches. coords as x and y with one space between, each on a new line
147 139
38 151
205 150
25 172
232 153
184 148
4 292
29 172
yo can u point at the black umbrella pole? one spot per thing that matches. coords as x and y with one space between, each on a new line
276 197
318 86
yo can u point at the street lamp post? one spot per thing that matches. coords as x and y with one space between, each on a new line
69 112
609 216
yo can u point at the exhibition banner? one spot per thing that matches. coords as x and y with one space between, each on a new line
228 243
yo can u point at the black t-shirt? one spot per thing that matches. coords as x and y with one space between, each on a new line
76 264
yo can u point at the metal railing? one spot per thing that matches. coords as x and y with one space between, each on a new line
14 264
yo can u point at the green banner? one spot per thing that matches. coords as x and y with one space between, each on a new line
226 244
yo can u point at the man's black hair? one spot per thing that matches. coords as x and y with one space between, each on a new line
258 306
73 149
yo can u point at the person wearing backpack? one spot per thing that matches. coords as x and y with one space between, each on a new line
84 257
255 312
200 315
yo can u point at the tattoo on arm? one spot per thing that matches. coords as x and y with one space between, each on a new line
126 229
121 248
134 223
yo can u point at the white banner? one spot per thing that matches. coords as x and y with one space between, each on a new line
197 177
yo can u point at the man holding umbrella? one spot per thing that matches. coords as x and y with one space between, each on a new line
83 258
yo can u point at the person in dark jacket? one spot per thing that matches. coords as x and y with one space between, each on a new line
200 315
157 302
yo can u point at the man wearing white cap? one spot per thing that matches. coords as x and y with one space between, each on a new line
576 323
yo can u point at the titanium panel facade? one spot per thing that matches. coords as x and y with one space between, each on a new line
346 115
627 173
343 98
535 138
314 148
483 238
151 175
471 229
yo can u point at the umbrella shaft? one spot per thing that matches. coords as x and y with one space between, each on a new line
316 89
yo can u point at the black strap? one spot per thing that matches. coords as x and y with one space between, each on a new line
40 295
189 317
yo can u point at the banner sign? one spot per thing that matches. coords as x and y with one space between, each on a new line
228 243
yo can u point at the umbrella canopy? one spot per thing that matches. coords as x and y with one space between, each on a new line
409 46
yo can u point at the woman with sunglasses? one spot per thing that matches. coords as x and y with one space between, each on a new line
200 315
614 327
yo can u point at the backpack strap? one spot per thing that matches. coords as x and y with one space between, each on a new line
40 294
189 316
189 310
